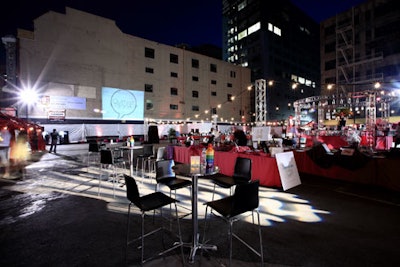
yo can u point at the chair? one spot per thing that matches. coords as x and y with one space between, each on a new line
152 159
233 208
150 202
241 174
166 176
107 160
147 152
94 150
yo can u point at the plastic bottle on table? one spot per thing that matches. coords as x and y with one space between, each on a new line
132 141
210 158
203 159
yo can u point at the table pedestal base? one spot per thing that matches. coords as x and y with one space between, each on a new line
196 246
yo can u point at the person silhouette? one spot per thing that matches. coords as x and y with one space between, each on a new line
54 140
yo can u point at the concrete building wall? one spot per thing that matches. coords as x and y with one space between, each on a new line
76 54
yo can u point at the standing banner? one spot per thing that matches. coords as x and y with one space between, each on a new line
261 133
288 170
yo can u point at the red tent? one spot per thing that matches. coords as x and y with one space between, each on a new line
34 131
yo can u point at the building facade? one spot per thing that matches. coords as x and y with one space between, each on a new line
86 70
280 44
360 55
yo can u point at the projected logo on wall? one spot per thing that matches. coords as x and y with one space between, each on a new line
122 104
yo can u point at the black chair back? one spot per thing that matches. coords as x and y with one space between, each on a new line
132 191
94 147
106 156
242 172
164 170
246 197
148 150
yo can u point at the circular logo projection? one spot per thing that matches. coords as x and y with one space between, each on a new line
124 103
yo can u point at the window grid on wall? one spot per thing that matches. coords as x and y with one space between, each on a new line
148 88
195 63
174 91
149 52
173 58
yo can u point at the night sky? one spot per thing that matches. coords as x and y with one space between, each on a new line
168 22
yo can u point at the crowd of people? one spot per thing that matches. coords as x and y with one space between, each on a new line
15 151
16 146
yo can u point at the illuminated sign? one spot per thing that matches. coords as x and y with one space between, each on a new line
122 104
64 102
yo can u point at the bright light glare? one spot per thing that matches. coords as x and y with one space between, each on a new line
29 96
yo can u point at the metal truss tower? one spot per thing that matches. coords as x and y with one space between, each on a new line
261 101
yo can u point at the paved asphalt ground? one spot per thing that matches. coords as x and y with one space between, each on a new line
55 217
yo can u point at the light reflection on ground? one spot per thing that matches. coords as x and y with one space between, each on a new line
74 177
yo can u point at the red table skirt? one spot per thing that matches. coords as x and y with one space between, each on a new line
264 168
378 171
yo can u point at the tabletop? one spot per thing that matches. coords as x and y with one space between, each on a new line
187 170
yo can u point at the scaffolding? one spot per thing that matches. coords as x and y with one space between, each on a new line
351 77
261 102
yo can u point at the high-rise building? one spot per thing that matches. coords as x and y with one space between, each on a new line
280 44
360 60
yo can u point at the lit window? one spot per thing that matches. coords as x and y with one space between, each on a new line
241 5
254 28
277 31
242 34
274 29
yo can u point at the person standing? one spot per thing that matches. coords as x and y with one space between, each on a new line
240 137
20 153
53 140
5 142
